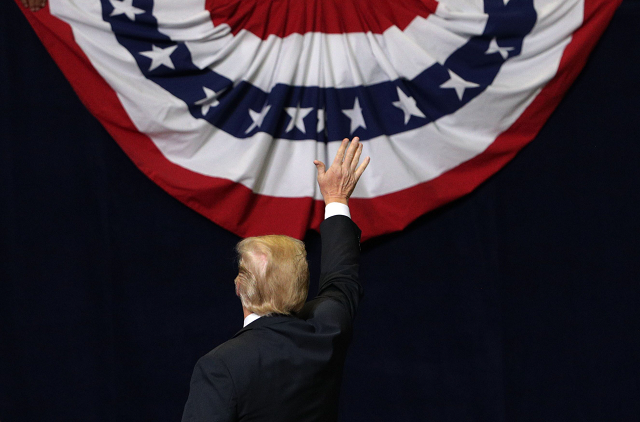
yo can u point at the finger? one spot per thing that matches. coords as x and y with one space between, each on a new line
340 153
24 3
362 167
356 158
320 167
348 157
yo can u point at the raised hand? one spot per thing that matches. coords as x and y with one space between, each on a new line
338 182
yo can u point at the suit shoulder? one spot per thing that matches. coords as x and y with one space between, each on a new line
225 350
233 351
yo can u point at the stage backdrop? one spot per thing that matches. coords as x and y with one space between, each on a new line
518 302
225 104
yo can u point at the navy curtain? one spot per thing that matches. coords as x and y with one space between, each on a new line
518 302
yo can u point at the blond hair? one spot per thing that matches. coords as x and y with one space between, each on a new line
273 274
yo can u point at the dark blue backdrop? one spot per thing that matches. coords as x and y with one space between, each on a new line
517 303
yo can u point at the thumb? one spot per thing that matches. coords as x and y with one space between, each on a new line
320 166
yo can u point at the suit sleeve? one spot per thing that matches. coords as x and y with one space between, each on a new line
211 393
340 263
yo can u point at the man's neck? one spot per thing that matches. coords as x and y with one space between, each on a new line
246 312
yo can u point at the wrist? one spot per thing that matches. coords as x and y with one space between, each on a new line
341 200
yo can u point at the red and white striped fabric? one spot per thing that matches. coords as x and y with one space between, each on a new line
225 104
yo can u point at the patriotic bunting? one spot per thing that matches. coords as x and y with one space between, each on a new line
225 104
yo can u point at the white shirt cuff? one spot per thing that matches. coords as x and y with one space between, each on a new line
336 208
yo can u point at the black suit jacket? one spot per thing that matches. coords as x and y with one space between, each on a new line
287 368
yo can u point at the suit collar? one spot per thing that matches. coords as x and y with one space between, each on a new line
265 321
250 318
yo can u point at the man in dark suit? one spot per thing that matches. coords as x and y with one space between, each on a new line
286 363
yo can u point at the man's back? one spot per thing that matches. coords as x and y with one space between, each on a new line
287 368
282 371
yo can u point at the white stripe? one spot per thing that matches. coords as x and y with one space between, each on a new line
317 59
285 168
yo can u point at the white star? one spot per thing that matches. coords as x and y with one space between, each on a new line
408 105
505 2
457 83
297 117
495 48
208 101
125 7
257 118
321 120
355 114
160 56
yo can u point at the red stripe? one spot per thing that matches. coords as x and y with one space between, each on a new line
239 210
285 17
